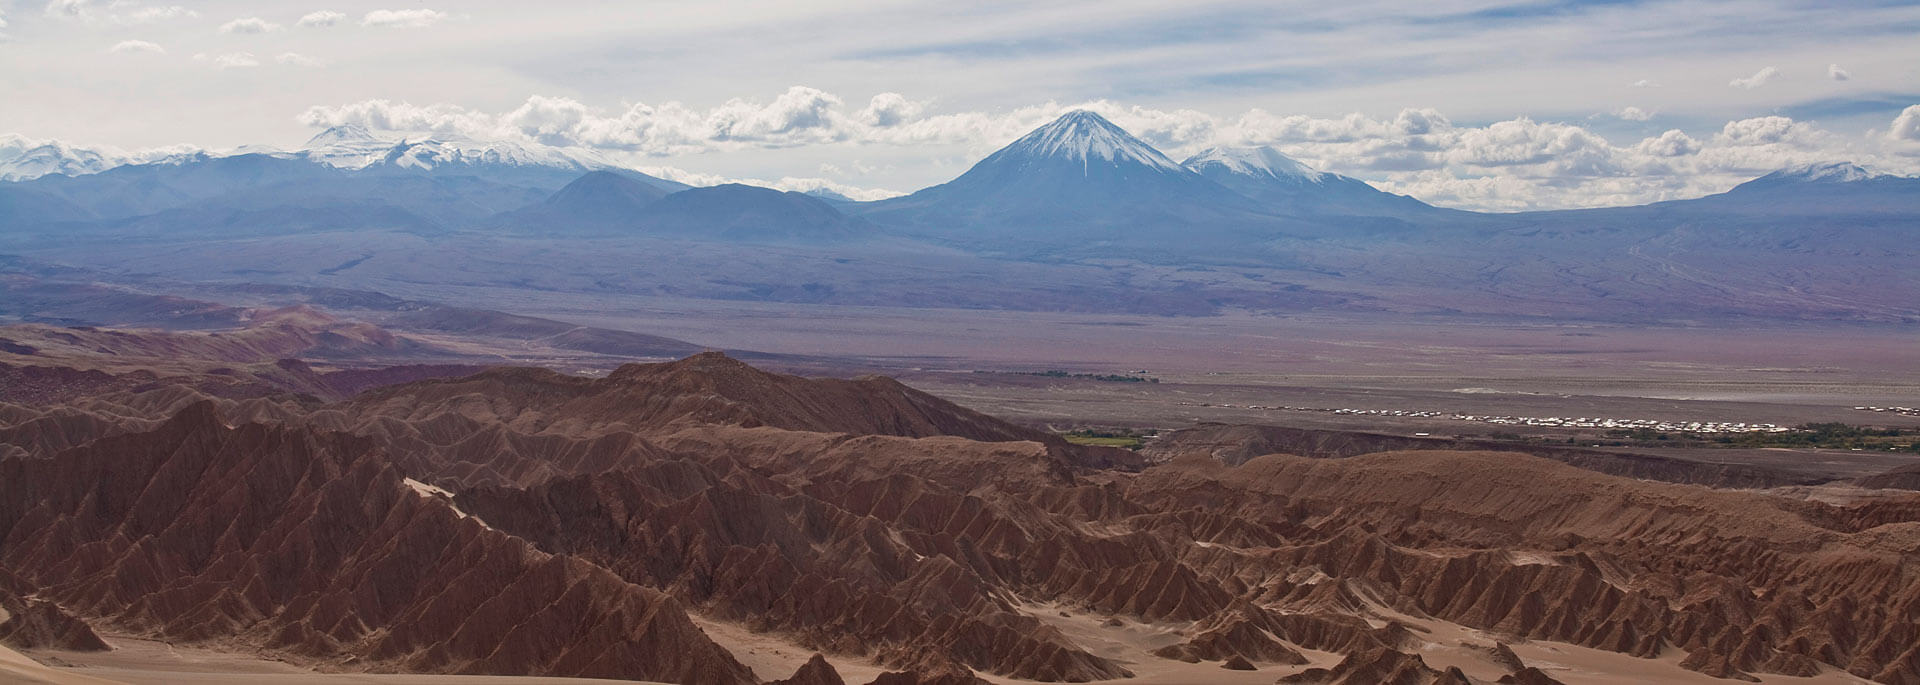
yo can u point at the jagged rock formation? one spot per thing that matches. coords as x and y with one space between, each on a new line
1630 583
705 389
527 425
523 521
31 623
1244 632
1382 666
1529 676
815 672
311 545
926 678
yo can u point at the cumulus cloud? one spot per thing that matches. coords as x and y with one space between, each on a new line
248 25
890 109
322 18
801 115
1643 83
403 18
1515 164
127 46
297 60
231 60
1633 114
114 11
1673 143
1768 131
1836 73
1759 78
1906 127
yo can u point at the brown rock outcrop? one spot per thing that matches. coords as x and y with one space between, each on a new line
815 672
1379 666
1529 676
939 677
33 623
311 545
862 519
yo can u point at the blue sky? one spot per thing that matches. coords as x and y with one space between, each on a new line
1544 104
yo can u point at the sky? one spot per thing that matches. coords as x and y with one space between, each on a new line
1482 104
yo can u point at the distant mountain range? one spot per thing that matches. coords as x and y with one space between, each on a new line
1822 241
1277 181
1077 180
608 204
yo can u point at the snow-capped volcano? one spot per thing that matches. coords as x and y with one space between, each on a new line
1283 184
1827 186
1089 139
1079 179
1824 172
1257 162
1821 178
343 135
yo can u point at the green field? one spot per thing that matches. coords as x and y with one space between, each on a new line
1123 438
1126 442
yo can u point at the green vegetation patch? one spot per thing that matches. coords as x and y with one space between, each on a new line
1124 438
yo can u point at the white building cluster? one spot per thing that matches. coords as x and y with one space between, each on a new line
1903 411
1540 421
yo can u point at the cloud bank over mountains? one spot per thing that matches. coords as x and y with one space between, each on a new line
1514 164
1613 103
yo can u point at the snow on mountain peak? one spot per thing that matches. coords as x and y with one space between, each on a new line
354 147
342 134
24 159
1826 172
1253 161
1083 136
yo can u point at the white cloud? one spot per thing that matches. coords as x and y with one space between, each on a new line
1906 126
71 9
322 18
114 11
798 116
231 60
144 15
1633 114
890 109
249 25
403 18
1673 143
1836 73
1759 78
1643 83
297 60
1514 164
1768 131
126 46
